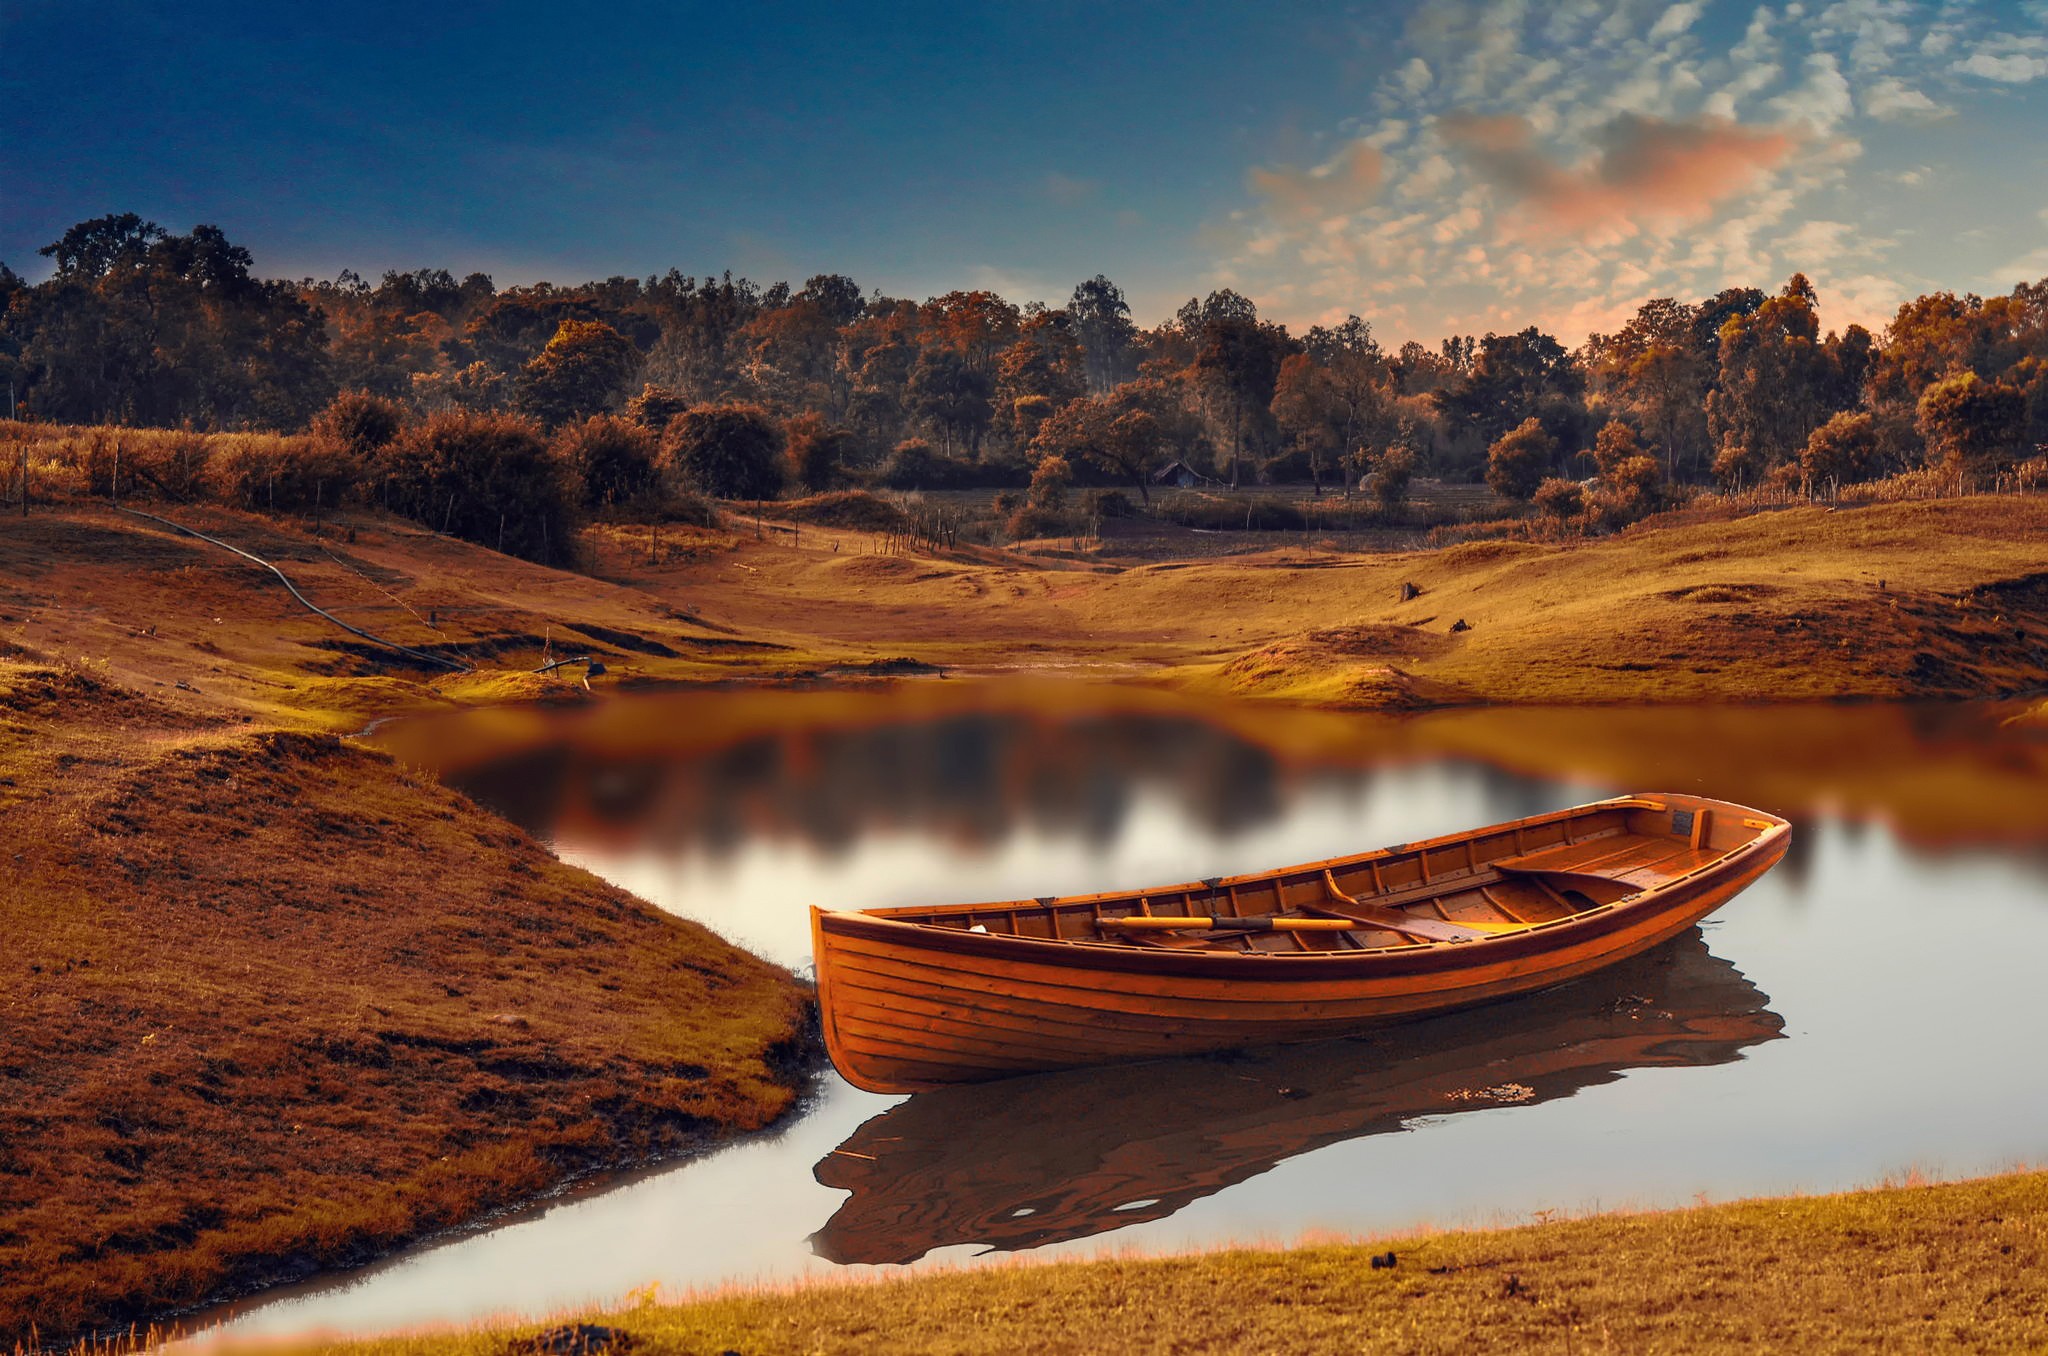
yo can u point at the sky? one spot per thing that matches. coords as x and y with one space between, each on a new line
1436 166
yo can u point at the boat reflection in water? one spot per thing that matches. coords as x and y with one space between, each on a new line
1045 1159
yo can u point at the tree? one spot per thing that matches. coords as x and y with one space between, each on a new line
1049 482
609 460
359 423
1109 432
1843 450
1236 364
729 451
1102 325
1513 378
584 370
1772 384
1615 444
817 451
1972 425
1518 458
951 392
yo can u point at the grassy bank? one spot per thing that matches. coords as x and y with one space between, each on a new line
1949 1268
270 1003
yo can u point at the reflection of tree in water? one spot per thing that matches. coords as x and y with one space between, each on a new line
973 778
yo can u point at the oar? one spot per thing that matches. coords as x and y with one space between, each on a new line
1433 929
1160 922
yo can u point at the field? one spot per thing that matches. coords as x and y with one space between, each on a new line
275 1003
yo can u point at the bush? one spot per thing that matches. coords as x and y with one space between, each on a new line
818 452
608 460
1515 464
1034 520
914 465
1843 450
359 423
1049 483
1111 504
1391 471
655 406
487 478
1561 499
729 451
264 472
844 508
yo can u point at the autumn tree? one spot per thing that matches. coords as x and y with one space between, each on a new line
817 451
359 423
728 451
1972 425
583 370
1116 435
1769 398
1513 378
1559 498
1388 475
609 460
1844 450
1518 459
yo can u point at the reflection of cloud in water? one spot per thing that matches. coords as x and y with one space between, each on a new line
1030 1161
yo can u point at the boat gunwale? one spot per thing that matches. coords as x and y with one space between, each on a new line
900 928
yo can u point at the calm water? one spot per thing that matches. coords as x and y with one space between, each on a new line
1874 1007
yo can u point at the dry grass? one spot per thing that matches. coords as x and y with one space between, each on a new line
272 1003
1942 1268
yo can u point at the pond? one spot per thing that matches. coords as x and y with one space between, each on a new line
1870 1010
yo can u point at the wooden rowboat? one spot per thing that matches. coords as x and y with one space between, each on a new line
921 997
1025 1162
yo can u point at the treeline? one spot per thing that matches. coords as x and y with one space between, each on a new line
824 384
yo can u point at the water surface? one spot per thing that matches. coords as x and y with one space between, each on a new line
1871 1008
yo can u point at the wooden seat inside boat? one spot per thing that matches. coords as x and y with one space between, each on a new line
1633 860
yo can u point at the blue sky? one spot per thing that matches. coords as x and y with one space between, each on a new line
1439 166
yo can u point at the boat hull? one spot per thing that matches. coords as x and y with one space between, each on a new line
908 1006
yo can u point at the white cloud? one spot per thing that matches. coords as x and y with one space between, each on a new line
1892 100
1675 20
1415 77
2015 68
1822 101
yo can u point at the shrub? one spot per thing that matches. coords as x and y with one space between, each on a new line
818 452
1391 472
729 451
1036 520
1615 444
608 460
487 478
1515 464
1560 498
1049 483
1843 450
914 465
268 473
1111 504
655 406
359 423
